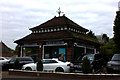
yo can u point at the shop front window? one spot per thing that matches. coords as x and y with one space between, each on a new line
54 52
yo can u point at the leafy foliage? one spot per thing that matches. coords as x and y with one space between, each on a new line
39 66
105 39
116 28
91 34
16 64
16 50
107 50
86 67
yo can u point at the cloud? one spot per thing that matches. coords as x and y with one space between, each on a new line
17 16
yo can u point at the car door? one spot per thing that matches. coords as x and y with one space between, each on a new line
50 64
45 62
10 64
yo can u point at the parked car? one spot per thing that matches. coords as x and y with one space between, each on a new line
22 60
50 64
3 60
96 61
114 64
34 57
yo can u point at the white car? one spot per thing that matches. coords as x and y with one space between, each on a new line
3 60
50 64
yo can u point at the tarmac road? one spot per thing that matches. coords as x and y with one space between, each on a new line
5 76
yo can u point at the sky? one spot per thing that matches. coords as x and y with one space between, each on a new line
18 16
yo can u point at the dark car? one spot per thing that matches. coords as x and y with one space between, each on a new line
96 61
114 64
34 57
22 61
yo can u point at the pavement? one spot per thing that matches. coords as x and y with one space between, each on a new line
6 76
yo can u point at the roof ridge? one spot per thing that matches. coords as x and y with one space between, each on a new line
58 21
3 44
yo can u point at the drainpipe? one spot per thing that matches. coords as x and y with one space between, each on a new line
21 55
94 51
84 50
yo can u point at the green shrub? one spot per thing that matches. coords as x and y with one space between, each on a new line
86 67
39 66
16 64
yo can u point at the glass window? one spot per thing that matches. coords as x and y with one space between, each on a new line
45 61
51 29
53 61
49 61
12 60
116 57
61 28
65 28
48 30
90 57
1 59
42 30
58 29
25 59
39 30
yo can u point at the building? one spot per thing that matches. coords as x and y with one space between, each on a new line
59 35
5 51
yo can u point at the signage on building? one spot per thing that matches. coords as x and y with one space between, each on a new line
62 51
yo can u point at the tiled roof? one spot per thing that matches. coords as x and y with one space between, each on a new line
33 37
4 48
45 36
57 22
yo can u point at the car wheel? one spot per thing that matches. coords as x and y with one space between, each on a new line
28 69
59 69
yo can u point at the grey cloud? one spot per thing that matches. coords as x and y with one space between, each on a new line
17 18
9 5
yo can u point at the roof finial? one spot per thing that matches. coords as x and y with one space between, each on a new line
59 12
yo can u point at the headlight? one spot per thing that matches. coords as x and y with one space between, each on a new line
108 64
71 64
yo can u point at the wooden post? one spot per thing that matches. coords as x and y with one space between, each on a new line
69 50
19 51
40 50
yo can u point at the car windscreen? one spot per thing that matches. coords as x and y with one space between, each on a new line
25 59
116 57
90 57
2 59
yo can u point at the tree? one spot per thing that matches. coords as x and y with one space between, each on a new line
116 29
86 67
17 64
105 39
39 66
91 34
16 50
